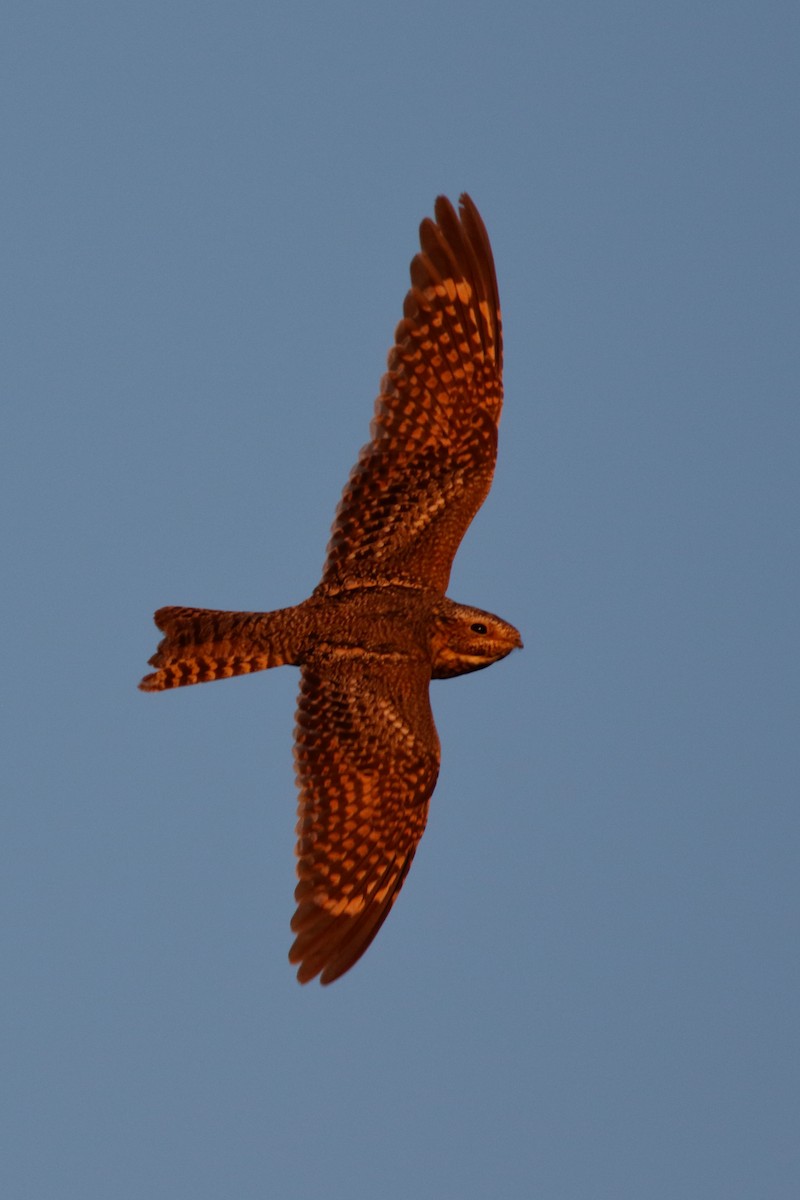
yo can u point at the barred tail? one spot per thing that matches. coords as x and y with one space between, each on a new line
201 644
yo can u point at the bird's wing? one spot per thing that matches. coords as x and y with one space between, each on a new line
428 467
367 758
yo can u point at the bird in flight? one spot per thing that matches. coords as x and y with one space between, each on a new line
379 626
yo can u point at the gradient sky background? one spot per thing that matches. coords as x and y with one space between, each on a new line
589 986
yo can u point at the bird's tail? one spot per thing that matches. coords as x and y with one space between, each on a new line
201 644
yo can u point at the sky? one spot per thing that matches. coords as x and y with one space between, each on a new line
589 984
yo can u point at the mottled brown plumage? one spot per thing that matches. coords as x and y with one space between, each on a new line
379 627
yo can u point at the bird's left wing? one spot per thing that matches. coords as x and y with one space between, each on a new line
367 758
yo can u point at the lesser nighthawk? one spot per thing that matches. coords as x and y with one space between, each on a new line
379 627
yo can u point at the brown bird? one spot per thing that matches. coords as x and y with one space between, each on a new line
379 626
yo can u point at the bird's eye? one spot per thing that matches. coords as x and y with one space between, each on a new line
478 627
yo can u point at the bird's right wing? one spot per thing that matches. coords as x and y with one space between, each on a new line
428 467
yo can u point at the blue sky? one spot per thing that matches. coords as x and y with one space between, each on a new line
589 984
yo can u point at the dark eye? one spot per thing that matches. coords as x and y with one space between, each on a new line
478 627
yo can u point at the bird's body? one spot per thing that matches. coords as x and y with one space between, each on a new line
379 626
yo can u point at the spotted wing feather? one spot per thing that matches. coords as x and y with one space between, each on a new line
429 464
367 758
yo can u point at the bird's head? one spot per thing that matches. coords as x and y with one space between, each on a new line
469 639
